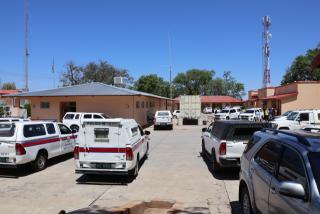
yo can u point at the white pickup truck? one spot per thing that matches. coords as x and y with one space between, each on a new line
33 142
299 119
163 119
227 114
223 142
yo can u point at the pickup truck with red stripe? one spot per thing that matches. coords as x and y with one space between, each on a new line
110 146
33 142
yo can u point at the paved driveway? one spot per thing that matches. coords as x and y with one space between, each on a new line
175 170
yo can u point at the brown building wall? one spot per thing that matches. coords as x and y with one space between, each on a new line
286 89
114 106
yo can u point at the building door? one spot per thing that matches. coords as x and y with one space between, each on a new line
67 107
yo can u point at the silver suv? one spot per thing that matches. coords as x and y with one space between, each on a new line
280 172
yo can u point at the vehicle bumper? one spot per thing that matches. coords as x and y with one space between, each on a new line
101 172
9 166
229 162
163 124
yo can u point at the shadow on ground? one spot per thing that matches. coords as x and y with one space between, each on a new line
26 169
224 174
235 207
107 179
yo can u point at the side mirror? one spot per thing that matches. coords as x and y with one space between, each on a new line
292 189
73 131
146 132
204 129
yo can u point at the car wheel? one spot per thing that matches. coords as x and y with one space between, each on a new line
135 171
245 202
75 128
215 165
40 163
154 127
228 118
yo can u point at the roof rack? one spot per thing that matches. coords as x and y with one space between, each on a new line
299 138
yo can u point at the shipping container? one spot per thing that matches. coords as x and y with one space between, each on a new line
190 106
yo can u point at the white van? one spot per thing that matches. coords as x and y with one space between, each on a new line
110 146
33 142
73 119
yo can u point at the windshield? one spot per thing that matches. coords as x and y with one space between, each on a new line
105 116
69 117
249 111
7 130
314 158
287 113
163 113
293 116
225 111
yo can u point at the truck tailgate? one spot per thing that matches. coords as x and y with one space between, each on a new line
7 149
163 119
235 148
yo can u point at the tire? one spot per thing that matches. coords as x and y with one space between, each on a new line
147 152
75 127
227 118
40 162
154 127
135 171
245 202
215 165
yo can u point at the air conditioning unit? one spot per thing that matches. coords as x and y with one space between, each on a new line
118 81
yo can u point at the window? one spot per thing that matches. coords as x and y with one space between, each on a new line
87 116
64 129
314 158
304 117
7 130
34 130
268 156
142 104
163 113
50 128
69 116
291 167
210 128
137 104
96 116
77 116
134 131
147 104
233 111
255 139
101 134
44 105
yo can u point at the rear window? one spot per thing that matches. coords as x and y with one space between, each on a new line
314 158
96 116
69 116
34 130
101 135
225 111
163 113
7 130
244 133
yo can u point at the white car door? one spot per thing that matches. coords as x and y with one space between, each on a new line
207 136
67 139
144 141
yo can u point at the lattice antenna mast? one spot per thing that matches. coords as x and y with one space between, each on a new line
266 21
26 37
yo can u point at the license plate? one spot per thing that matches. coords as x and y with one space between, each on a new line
3 160
103 165
163 124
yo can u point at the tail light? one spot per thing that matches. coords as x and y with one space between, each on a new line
129 154
20 149
76 152
223 149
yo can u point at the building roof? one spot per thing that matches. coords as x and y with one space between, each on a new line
280 96
219 99
88 89
6 92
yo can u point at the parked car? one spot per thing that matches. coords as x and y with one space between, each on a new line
163 119
298 120
223 142
207 110
110 146
176 113
252 114
280 173
12 119
227 114
33 142
73 119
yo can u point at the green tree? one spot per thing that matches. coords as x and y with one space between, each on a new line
92 72
9 86
153 84
231 86
193 82
301 69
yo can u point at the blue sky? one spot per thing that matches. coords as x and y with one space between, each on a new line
219 35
